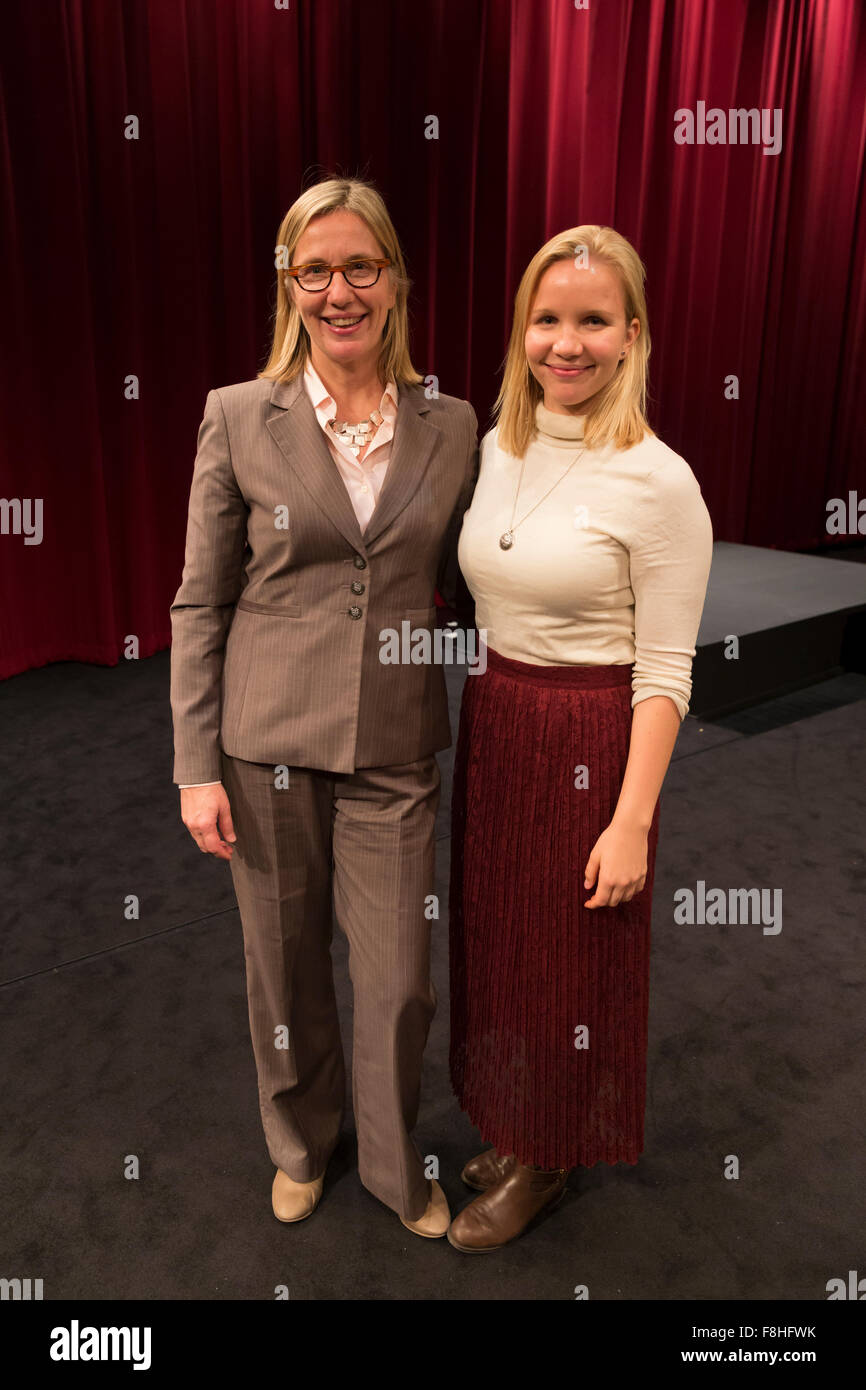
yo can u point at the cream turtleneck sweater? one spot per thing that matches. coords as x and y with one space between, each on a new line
610 569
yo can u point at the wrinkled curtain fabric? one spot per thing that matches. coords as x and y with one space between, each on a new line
150 149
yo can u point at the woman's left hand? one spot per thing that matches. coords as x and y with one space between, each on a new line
619 859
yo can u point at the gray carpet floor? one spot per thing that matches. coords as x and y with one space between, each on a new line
130 1037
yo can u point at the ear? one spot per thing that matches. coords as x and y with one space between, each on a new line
291 289
392 300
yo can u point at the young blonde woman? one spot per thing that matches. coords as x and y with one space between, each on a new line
325 505
587 548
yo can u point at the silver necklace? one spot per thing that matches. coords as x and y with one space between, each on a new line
355 437
506 540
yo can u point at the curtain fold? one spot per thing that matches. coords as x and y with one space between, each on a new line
152 258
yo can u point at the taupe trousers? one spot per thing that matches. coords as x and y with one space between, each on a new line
376 827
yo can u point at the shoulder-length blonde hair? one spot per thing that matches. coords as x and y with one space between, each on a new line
291 342
619 414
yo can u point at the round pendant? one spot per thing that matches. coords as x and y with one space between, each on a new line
506 540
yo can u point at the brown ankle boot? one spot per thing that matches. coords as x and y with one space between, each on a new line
487 1169
504 1211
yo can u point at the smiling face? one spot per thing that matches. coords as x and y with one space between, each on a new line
345 324
575 333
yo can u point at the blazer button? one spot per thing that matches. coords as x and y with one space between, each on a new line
354 612
358 587
360 562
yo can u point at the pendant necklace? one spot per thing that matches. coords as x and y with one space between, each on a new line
355 437
506 540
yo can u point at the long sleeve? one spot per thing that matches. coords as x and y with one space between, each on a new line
204 604
450 581
670 555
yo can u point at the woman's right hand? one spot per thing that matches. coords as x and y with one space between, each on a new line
206 813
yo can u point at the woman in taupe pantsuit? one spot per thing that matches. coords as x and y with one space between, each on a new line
326 500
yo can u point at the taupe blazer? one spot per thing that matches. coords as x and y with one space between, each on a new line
276 624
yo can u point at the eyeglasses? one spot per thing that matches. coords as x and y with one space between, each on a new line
316 276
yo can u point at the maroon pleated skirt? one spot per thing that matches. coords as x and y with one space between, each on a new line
533 972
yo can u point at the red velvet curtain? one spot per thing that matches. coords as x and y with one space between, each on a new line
153 257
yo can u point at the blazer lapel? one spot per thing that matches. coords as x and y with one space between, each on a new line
411 450
298 433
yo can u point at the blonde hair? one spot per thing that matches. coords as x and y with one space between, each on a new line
619 415
290 345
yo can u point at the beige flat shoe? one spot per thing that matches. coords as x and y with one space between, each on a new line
437 1217
293 1201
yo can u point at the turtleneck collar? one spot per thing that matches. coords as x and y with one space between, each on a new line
559 429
